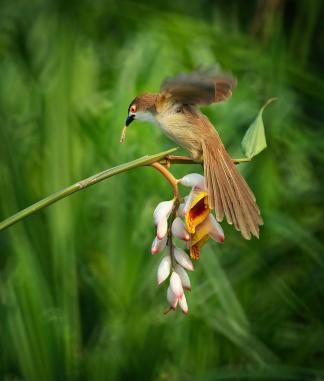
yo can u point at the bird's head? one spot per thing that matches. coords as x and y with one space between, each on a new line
142 108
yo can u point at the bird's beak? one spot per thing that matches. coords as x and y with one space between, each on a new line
129 119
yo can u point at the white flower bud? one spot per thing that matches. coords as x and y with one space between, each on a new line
163 270
181 210
183 304
175 284
162 211
162 229
193 180
183 258
185 281
179 230
158 245
172 299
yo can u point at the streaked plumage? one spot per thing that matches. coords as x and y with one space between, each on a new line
174 111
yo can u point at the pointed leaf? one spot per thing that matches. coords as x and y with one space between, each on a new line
254 140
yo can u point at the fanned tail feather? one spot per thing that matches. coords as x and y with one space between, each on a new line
228 192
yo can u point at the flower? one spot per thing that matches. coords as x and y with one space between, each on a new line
164 270
162 229
183 304
199 221
194 224
176 285
196 209
193 180
160 217
185 281
162 211
158 245
172 299
183 259
179 230
179 281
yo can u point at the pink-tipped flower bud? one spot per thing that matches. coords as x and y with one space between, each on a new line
193 180
185 281
162 229
172 299
183 259
179 230
163 211
164 270
183 304
158 245
175 284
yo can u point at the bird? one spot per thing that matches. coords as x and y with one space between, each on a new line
174 110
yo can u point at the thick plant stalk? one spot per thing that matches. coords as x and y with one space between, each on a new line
162 157
80 185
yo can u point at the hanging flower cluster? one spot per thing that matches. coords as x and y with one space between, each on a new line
180 227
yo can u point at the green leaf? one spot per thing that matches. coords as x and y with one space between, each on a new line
254 140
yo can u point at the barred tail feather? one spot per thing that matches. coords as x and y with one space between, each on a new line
228 192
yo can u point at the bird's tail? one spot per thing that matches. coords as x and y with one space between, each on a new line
228 192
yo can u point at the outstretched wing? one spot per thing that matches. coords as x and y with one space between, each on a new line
199 87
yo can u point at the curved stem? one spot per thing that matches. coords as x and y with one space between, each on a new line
168 175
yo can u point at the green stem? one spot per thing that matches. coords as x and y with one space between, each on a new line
162 157
80 185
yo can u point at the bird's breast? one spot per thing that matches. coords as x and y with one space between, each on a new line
181 130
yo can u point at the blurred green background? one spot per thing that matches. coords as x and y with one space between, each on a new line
78 296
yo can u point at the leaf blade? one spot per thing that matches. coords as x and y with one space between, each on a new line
254 140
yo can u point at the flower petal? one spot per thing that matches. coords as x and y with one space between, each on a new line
183 304
216 232
162 211
162 229
175 284
181 210
183 259
179 230
196 209
164 269
188 200
193 180
185 281
209 227
158 245
172 299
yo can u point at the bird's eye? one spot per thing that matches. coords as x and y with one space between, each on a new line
133 109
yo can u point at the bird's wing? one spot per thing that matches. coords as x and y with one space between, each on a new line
199 87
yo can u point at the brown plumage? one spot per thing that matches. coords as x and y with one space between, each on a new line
173 110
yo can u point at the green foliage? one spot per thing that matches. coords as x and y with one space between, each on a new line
254 140
77 283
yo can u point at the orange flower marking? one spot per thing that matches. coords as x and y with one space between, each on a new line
196 214
197 211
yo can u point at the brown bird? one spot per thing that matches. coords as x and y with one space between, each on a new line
174 111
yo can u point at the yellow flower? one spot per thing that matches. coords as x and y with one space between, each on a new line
196 209
194 249
200 223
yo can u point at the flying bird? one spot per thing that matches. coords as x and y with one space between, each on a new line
174 110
